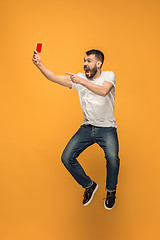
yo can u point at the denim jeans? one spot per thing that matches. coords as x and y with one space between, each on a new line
107 139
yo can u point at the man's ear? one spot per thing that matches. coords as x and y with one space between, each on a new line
99 63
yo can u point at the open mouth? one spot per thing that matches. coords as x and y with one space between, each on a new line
87 70
87 73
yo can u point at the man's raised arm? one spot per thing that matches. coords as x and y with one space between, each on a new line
60 79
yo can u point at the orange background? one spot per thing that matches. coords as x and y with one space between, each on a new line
39 198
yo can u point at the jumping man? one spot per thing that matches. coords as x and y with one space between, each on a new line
96 90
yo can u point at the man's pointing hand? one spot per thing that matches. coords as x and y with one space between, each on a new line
74 78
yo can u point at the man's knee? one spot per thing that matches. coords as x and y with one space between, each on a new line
113 160
64 158
67 157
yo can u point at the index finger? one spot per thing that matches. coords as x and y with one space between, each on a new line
69 73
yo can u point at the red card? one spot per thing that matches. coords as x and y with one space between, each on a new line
39 47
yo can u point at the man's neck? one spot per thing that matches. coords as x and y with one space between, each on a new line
98 74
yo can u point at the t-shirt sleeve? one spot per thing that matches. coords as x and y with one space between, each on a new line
75 85
110 77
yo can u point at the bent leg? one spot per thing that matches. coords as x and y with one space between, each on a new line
108 141
78 143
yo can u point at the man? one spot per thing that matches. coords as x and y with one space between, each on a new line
96 89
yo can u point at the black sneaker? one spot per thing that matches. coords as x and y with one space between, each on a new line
89 193
110 200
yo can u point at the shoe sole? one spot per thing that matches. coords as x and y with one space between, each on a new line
92 195
107 207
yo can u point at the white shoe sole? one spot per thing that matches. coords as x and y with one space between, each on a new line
107 207
92 195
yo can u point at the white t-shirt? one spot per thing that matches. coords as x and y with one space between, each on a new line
97 110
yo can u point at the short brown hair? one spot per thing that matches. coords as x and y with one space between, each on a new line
98 54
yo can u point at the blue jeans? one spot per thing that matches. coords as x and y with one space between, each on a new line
107 139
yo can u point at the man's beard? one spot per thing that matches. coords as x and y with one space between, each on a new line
90 73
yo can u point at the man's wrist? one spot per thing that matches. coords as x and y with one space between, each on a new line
82 81
39 65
